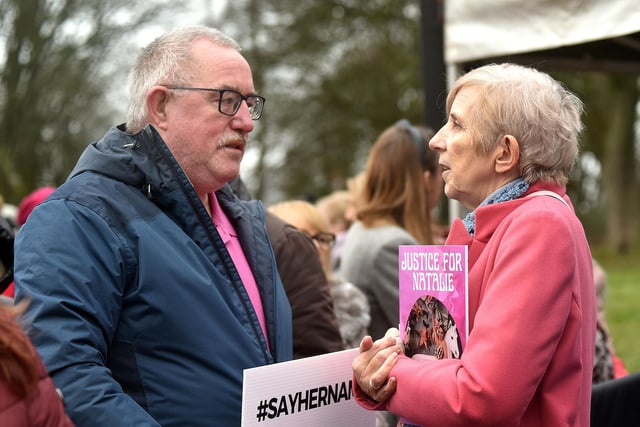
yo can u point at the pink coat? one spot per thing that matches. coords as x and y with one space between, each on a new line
528 360
42 408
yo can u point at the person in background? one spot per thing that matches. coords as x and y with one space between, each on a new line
506 152
334 208
28 397
615 402
30 201
354 187
393 207
435 185
349 303
314 323
6 260
607 365
25 207
151 286
8 213
6 257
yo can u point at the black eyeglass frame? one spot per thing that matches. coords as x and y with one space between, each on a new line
324 238
257 104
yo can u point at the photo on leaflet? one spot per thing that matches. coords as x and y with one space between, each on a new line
431 331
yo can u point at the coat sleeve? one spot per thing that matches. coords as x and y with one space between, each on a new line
527 299
71 269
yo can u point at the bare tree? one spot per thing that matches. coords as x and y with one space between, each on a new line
56 64
617 97
335 74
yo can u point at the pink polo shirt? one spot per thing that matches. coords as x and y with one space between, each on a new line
230 238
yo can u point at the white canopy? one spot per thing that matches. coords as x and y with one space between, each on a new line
573 34
480 29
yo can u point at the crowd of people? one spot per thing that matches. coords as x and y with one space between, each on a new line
137 292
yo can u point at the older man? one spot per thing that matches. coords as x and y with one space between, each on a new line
151 286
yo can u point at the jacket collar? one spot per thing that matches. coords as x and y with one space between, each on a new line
488 217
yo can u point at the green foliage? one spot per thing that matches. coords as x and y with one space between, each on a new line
58 62
622 304
609 144
335 74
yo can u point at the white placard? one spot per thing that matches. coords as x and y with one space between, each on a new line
314 391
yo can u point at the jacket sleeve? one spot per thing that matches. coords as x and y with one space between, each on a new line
526 302
71 269
307 289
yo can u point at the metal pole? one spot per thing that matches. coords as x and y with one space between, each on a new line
434 74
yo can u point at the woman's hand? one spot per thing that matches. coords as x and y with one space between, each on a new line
373 365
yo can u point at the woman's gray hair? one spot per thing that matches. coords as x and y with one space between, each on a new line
166 60
537 110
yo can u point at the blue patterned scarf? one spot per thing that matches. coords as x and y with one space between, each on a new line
507 192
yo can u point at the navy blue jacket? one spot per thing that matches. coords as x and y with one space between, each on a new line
136 307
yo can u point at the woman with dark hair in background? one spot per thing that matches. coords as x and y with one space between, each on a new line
400 188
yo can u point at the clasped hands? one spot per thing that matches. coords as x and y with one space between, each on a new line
371 368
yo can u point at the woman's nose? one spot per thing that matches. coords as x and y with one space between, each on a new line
436 143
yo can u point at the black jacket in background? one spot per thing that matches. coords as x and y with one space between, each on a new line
6 254
315 326
314 323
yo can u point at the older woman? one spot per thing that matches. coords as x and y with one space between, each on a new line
506 153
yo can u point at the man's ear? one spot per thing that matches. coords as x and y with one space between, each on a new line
157 99
507 155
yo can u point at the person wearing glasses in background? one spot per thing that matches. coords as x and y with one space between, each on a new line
349 303
307 218
314 324
151 286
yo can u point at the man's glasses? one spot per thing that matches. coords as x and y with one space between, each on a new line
229 100
328 239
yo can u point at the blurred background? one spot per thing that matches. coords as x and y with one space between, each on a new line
335 74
